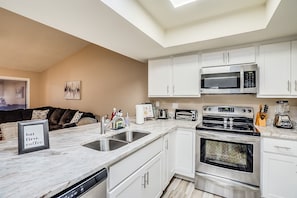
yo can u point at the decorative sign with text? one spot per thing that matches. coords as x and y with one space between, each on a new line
33 135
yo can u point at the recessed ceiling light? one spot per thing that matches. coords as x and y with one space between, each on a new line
178 3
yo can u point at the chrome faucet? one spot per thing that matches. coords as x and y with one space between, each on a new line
116 123
104 125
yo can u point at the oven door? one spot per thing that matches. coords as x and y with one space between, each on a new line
228 155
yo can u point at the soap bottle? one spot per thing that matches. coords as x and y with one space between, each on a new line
113 114
127 121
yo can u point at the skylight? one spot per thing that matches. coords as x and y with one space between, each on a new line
178 3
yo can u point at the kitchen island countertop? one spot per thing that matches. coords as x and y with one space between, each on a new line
46 172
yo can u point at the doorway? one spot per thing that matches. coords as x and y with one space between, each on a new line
14 93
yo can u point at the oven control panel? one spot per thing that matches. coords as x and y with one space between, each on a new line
228 111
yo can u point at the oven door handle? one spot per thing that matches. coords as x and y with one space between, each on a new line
229 137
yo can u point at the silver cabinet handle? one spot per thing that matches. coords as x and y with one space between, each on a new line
167 89
282 147
148 178
144 181
289 86
173 89
295 85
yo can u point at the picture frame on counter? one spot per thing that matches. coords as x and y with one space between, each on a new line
32 136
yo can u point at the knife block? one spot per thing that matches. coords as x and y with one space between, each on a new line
259 120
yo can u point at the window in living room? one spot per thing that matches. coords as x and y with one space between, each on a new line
13 93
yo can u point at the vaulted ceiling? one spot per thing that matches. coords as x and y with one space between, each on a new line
39 33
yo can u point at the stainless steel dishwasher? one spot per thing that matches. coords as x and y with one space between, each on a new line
94 186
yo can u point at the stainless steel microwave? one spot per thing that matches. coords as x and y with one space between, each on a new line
229 79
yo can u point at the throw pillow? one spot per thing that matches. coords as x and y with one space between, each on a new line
56 116
86 120
67 116
76 117
39 114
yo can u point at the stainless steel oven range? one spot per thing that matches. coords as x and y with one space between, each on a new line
228 152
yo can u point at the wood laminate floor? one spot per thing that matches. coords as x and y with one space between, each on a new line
179 188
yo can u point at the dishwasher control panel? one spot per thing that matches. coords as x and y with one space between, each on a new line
84 185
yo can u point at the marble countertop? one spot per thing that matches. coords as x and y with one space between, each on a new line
274 132
46 172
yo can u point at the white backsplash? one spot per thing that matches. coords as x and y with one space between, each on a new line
232 100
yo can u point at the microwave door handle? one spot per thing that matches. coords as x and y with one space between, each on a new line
241 80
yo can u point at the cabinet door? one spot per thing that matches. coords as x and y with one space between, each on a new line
159 77
185 153
131 187
145 182
279 176
294 69
242 55
168 159
186 79
152 175
274 64
213 59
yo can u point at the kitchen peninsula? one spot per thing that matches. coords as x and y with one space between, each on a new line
47 172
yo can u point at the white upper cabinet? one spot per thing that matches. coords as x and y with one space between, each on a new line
242 55
294 69
186 79
174 77
229 57
275 68
159 77
213 59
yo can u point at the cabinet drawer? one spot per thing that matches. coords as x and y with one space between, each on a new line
286 147
121 170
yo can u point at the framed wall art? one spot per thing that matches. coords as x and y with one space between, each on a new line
72 90
32 136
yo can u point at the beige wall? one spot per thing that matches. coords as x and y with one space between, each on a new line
107 80
35 83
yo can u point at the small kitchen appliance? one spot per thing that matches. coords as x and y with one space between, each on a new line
163 114
229 79
186 114
282 118
228 152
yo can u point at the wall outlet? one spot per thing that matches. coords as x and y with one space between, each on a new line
174 105
157 103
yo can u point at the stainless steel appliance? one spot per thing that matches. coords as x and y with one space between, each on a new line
163 114
231 79
186 114
282 118
90 187
228 152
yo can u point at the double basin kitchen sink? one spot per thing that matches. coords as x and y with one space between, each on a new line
116 141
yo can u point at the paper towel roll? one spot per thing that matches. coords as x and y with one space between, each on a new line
139 114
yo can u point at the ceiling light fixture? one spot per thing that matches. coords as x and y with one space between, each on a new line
178 3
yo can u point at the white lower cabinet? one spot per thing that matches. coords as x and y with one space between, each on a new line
147 172
185 152
168 158
145 182
138 175
279 168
